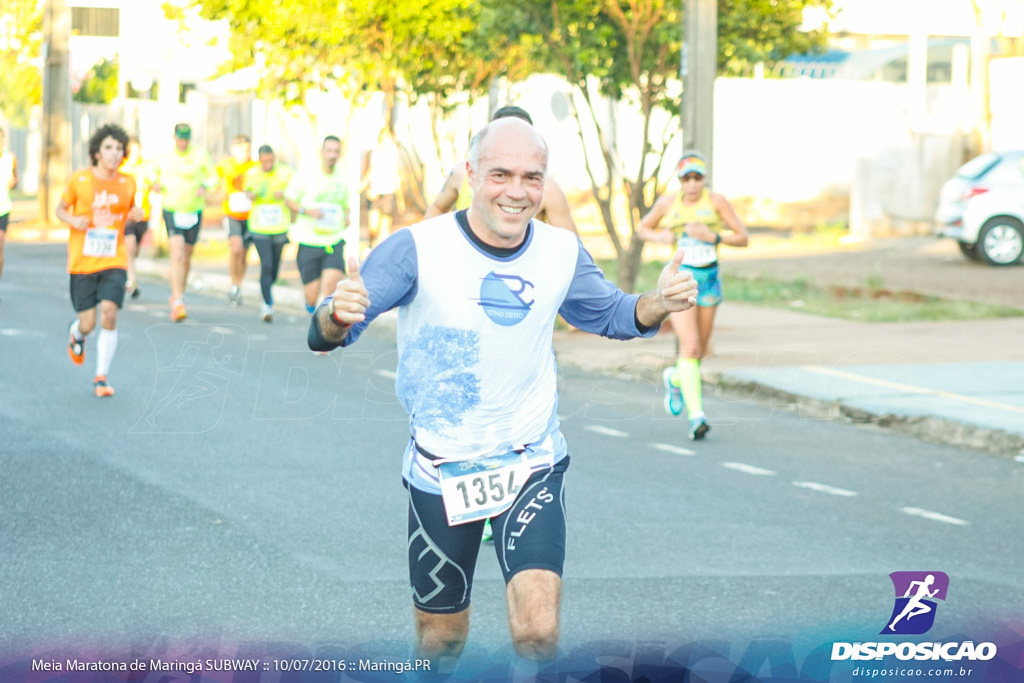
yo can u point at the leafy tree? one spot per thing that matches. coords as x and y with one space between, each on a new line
99 84
21 78
628 51
404 49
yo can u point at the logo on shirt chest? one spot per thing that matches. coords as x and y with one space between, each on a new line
502 298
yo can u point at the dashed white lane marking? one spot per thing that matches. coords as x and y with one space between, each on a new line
934 516
748 469
824 488
390 374
607 431
669 448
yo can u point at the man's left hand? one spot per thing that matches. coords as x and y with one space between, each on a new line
677 290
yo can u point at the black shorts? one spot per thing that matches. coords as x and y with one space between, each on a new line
138 229
106 285
442 558
191 235
312 261
3 222
239 227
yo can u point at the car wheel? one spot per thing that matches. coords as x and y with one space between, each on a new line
1001 241
969 250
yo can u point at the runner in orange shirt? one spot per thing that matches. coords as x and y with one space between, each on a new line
231 172
97 204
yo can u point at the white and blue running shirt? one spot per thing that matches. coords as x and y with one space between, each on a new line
476 370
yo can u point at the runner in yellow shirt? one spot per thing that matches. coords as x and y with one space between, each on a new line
269 220
320 198
231 172
698 220
8 181
144 173
185 177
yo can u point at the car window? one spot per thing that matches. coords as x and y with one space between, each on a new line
1007 172
977 167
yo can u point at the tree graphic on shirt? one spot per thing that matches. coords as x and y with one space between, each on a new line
436 380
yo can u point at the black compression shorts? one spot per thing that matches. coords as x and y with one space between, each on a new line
442 558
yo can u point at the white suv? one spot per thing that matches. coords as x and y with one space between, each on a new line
982 208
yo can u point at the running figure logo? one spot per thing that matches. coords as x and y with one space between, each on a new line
916 593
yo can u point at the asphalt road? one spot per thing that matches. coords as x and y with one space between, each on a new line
241 493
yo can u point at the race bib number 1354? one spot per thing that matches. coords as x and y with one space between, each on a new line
482 487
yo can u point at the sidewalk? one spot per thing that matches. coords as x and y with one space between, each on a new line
959 383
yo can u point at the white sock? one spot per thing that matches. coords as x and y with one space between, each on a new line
75 332
106 345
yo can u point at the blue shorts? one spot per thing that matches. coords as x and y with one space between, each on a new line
529 535
709 287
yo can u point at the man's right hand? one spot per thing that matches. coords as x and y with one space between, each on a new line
350 296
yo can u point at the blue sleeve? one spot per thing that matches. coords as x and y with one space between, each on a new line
593 304
390 275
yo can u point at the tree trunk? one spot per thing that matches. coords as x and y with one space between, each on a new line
630 260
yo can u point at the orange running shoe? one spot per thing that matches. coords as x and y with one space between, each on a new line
178 311
102 388
76 349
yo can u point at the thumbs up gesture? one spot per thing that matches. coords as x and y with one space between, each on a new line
677 288
350 297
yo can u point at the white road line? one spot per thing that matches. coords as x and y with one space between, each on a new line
607 431
390 374
824 488
934 516
914 390
669 448
749 469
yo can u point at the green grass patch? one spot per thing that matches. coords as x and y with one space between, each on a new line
870 303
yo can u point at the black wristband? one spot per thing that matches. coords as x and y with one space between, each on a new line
718 238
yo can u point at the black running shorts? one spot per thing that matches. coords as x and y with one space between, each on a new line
191 235
239 227
313 260
89 289
442 558
137 228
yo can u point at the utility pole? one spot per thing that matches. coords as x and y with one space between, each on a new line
55 160
699 68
